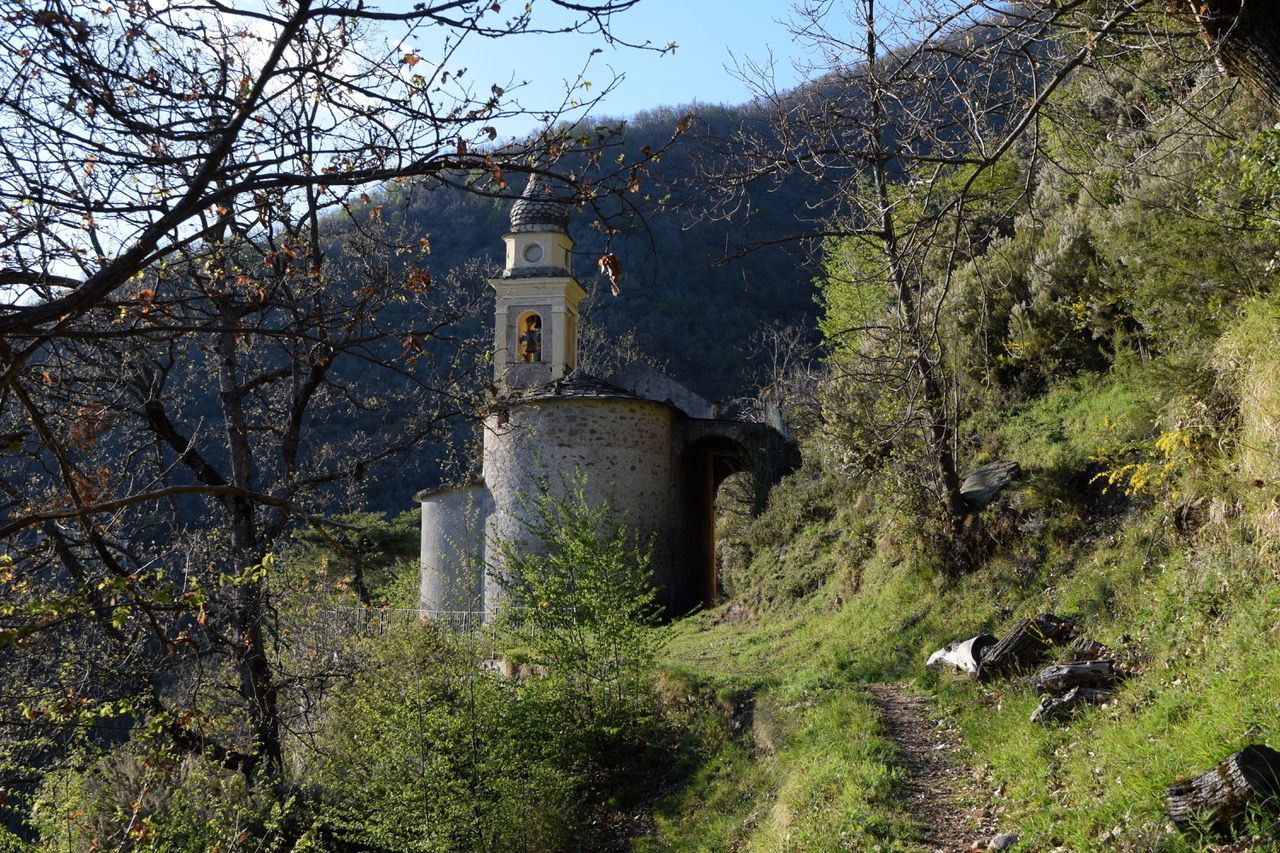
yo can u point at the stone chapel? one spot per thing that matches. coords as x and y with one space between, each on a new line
648 447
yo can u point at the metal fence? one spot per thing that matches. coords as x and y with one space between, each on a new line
374 621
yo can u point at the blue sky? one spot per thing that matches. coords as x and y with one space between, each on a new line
708 34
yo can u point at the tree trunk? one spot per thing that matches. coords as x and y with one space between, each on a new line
1245 38
249 606
906 285
1060 678
1053 707
1025 644
1217 798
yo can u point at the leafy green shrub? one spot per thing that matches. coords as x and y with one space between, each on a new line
431 747
583 605
128 799
425 751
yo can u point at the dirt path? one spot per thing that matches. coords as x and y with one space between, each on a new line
940 789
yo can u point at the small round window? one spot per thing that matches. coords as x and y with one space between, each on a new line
532 253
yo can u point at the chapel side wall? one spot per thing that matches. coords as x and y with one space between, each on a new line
452 549
629 450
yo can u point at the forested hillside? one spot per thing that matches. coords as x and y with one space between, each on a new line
693 303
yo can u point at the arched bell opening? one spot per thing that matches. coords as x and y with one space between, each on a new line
707 463
529 338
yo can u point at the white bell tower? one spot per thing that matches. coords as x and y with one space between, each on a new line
535 329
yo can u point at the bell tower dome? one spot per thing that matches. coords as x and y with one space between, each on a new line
536 314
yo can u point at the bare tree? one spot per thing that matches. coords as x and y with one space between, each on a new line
913 112
890 112
786 378
196 286
127 125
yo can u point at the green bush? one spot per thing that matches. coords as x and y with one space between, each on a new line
583 605
132 799
442 742
1248 361
425 751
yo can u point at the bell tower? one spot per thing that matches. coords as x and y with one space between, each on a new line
535 329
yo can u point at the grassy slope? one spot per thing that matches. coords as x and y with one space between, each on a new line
1183 585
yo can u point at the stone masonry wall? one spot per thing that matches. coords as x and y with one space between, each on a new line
628 448
452 549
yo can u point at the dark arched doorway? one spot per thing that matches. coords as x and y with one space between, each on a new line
706 464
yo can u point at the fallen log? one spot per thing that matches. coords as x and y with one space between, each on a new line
1054 707
964 655
1061 677
1217 798
1025 645
1083 648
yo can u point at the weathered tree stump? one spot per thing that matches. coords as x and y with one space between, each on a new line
1217 798
1083 648
1059 678
1025 645
1054 707
965 655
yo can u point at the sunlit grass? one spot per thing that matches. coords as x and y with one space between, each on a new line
823 780
1191 615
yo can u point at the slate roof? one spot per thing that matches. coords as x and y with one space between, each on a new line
539 208
576 385
445 489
